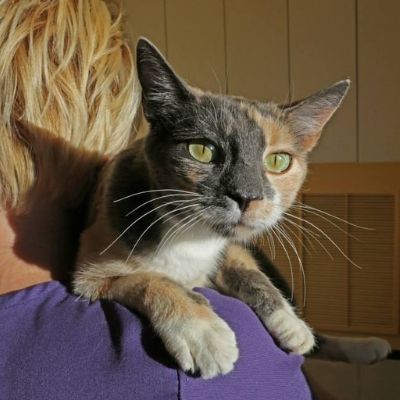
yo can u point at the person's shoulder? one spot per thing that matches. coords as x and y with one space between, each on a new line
78 349
102 349
32 294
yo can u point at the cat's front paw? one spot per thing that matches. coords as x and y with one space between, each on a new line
292 333
204 346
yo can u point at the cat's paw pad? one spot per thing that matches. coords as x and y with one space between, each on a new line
204 346
292 333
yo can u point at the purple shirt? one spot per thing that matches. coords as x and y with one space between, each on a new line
54 346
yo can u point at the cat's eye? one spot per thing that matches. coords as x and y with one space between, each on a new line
203 152
277 162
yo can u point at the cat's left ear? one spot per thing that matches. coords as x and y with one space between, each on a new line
307 117
163 92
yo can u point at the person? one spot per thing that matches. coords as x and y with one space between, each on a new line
68 101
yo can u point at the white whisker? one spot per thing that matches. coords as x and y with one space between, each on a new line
190 224
154 191
173 234
291 244
306 232
159 198
153 223
306 206
289 260
327 220
267 237
133 223
298 237
327 237
161 244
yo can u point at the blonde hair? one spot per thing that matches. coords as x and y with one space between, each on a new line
65 67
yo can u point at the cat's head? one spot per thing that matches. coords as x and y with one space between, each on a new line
245 160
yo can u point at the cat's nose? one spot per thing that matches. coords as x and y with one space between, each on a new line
244 199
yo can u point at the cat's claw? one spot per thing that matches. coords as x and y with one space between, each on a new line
204 346
292 333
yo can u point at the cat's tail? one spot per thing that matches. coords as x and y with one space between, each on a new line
367 350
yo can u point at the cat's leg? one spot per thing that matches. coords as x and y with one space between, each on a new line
240 277
192 333
366 350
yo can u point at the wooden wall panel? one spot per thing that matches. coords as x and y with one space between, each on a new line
373 201
145 18
257 49
371 287
379 79
322 51
195 41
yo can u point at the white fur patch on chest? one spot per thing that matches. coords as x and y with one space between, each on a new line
189 258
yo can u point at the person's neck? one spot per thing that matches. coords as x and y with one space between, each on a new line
37 246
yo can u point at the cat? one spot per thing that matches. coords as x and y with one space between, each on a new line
176 209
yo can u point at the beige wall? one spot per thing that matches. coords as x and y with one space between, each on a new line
281 49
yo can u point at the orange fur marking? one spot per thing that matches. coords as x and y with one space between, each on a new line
237 256
277 136
158 297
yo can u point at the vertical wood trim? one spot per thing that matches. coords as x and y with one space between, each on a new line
226 83
357 88
195 32
256 49
379 80
290 83
396 255
145 18
322 47
165 29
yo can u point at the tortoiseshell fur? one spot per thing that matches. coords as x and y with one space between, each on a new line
165 222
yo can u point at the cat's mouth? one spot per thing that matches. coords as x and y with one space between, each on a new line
227 220
244 227
243 223
240 230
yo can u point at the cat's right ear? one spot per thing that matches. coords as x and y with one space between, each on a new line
163 92
307 117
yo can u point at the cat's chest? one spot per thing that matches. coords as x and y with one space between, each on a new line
188 259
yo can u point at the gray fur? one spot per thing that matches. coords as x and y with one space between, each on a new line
253 288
